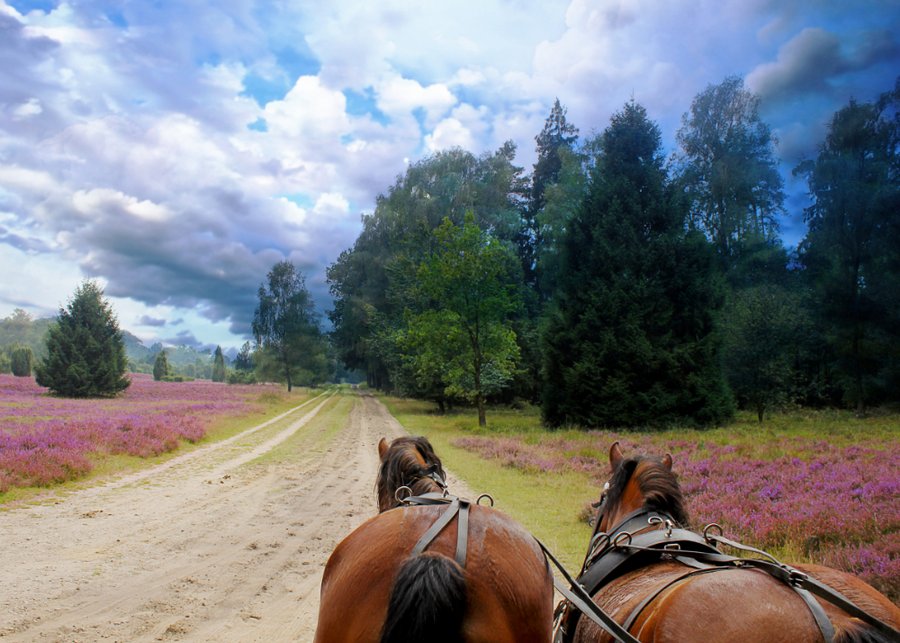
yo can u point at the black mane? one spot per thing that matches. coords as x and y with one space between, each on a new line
657 483
400 467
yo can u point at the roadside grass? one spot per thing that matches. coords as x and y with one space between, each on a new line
547 504
267 405
807 486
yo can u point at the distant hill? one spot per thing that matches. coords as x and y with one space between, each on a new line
20 328
134 347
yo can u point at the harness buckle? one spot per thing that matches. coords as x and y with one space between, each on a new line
797 578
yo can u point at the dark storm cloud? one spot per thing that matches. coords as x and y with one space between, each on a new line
816 59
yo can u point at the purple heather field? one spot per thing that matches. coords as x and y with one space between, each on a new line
832 505
46 439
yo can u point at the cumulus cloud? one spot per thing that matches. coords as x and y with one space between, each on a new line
177 152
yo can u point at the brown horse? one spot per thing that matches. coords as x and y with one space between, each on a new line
664 583
430 567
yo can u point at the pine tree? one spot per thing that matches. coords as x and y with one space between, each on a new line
161 366
218 371
631 340
85 350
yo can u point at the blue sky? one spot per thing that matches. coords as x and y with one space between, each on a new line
175 151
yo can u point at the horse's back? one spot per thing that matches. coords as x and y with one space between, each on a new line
726 605
508 584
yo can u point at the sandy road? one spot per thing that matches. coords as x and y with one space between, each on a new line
211 546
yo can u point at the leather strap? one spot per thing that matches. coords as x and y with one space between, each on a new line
578 597
456 506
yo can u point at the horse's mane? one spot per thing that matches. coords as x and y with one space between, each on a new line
400 467
657 483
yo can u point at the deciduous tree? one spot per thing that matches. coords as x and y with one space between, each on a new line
285 326
728 170
462 334
852 249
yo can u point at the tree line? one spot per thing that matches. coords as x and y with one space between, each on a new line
617 287
83 350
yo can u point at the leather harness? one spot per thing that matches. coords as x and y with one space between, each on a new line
633 544
640 539
455 506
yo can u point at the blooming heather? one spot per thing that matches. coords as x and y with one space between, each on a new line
46 440
835 505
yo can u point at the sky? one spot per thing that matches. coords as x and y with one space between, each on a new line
174 151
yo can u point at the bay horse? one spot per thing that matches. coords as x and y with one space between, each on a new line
661 582
408 575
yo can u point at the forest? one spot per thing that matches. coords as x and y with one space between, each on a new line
616 285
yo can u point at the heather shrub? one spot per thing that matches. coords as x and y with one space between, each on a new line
835 502
45 440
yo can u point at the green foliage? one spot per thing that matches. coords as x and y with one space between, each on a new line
85 351
243 361
21 361
161 366
852 250
728 169
218 372
286 328
631 340
760 332
20 329
241 377
460 338
370 281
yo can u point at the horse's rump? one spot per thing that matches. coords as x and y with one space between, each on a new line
508 587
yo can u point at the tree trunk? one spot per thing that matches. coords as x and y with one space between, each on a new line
482 417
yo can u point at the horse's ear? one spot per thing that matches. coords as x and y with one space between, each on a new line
382 448
615 456
667 461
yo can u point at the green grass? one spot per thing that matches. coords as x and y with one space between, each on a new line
550 504
547 505
312 438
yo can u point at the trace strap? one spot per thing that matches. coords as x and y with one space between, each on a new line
577 595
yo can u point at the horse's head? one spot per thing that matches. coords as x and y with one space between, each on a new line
640 483
407 462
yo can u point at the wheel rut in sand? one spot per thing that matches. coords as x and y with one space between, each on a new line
224 543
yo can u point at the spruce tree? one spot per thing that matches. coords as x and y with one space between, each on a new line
85 350
218 370
631 341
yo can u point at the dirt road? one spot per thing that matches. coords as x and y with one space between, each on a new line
214 545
